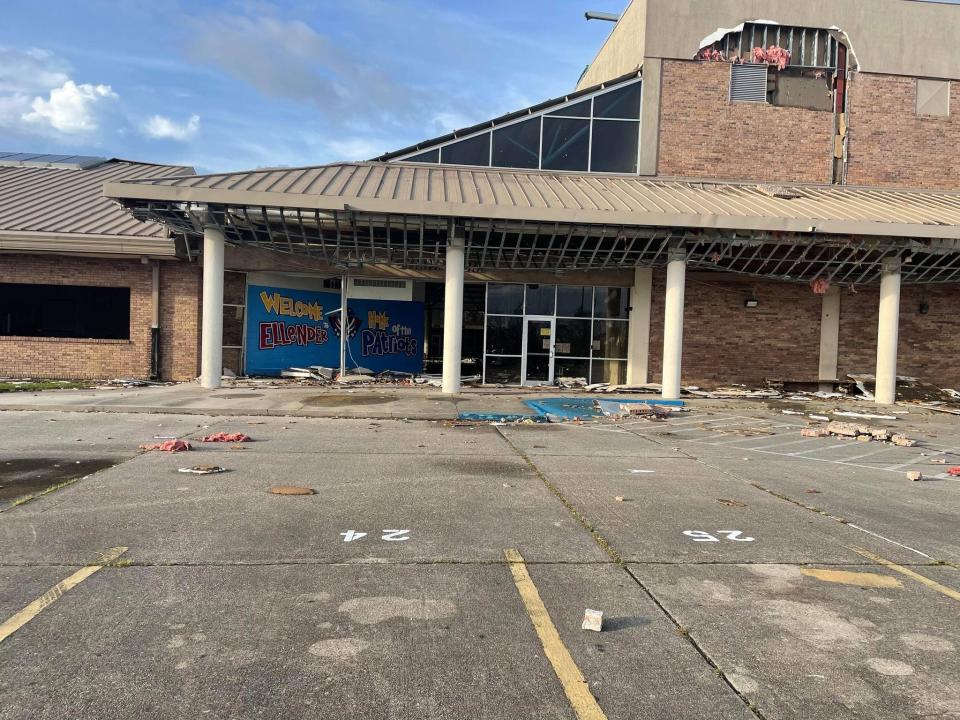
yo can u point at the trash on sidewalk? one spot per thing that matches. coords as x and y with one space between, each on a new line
171 446
731 503
292 490
592 620
202 470
226 437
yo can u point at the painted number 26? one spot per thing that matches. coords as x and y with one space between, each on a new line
701 536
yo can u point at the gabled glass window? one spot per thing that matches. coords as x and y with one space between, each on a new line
518 145
471 151
599 132
566 144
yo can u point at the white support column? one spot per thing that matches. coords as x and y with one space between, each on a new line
211 336
453 316
673 323
638 357
829 338
888 333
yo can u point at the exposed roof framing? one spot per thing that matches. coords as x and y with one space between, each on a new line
348 238
369 213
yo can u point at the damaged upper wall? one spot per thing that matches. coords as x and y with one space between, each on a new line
895 37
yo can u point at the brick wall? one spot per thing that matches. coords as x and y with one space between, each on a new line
179 321
928 343
72 358
725 342
703 134
890 145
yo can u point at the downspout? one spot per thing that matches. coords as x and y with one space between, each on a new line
155 324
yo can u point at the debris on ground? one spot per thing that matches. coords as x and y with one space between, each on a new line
170 446
291 490
862 433
915 475
592 620
731 503
954 471
226 437
620 498
571 382
203 470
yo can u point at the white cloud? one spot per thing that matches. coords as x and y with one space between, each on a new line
357 148
163 128
71 108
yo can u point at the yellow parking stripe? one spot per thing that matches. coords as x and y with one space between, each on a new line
572 680
949 592
9 627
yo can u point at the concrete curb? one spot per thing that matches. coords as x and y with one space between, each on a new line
220 412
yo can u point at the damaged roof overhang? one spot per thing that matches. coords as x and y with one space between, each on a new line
777 232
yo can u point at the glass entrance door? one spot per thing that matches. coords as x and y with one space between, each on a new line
538 339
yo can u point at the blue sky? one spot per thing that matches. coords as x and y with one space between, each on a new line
225 85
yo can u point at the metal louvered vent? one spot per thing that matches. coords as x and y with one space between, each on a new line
368 282
748 83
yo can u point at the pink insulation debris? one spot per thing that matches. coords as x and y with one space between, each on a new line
710 54
171 446
820 286
226 437
773 55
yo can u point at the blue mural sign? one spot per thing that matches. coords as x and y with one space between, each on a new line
297 328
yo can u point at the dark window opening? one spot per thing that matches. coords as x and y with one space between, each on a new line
623 103
580 109
472 151
430 156
65 311
517 146
615 146
566 144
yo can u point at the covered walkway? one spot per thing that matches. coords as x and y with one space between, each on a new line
411 217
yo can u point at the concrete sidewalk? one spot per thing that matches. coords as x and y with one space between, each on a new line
378 401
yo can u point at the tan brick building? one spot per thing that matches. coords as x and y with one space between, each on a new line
86 291
736 191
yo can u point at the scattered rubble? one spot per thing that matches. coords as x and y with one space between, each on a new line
915 475
202 470
592 620
170 446
862 433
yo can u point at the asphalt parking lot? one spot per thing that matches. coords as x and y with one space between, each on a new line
743 572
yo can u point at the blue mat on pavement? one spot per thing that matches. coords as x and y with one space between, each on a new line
571 408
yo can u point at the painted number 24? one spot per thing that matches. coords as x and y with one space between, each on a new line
702 536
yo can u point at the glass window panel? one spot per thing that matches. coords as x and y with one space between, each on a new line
565 144
609 371
573 338
610 338
540 299
611 303
615 145
574 301
580 109
622 103
504 299
571 368
504 335
430 156
472 151
517 146
503 370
